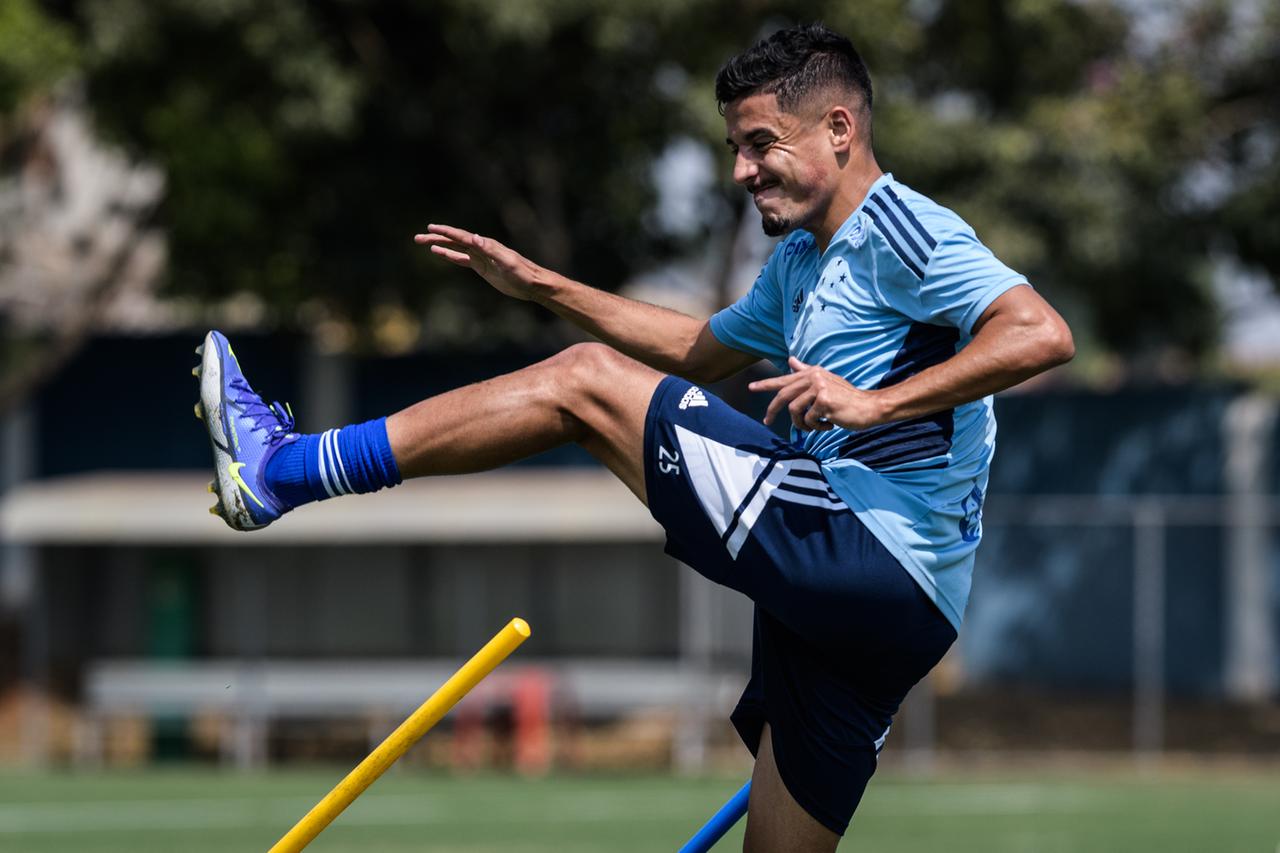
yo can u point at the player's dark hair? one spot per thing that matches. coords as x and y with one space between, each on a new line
793 64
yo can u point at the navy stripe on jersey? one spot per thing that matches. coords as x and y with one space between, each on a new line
923 346
918 438
904 234
901 252
902 205
901 442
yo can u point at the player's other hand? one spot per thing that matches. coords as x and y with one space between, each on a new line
508 271
817 399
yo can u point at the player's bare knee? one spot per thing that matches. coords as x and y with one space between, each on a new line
588 373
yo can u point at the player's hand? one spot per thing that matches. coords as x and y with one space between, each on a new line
508 271
817 399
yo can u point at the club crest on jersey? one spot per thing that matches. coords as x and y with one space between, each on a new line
693 398
798 301
858 231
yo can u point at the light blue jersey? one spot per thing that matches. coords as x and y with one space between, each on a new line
898 290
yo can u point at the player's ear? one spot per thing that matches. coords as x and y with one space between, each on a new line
841 129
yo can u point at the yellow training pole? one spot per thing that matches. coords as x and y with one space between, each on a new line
408 733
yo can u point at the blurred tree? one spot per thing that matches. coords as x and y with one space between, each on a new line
304 143
1242 168
35 53
1110 149
1091 142
74 216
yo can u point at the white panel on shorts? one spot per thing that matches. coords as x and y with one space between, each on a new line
752 510
721 475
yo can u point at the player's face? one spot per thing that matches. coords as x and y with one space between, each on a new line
781 159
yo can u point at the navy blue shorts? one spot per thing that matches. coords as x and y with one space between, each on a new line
842 632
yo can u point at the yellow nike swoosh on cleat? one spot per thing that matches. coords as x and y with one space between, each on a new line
234 471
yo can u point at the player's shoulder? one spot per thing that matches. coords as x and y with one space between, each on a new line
940 220
911 224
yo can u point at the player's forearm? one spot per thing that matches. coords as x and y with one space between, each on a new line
1005 353
663 339
659 337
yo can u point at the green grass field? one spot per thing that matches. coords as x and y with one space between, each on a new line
197 811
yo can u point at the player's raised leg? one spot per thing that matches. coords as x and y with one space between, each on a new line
588 394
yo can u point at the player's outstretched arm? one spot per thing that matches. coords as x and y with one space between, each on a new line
665 340
1018 336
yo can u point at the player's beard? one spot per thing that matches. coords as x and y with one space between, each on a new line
775 224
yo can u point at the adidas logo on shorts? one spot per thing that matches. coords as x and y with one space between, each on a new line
693 397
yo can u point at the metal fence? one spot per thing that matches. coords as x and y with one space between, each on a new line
1136 536
1246 564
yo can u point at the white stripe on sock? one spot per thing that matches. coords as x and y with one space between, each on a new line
332 436
324 473
342 469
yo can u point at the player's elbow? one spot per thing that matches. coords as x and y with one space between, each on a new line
1047 340
1057 346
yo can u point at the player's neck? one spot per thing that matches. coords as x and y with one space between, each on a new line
854 186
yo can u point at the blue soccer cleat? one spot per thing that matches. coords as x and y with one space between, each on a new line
245 433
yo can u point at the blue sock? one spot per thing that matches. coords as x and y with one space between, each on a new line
352 460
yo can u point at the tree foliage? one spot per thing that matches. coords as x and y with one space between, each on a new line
1112 151
35 53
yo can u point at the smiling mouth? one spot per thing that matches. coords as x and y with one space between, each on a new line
759 191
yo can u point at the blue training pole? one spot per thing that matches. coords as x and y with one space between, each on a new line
720 823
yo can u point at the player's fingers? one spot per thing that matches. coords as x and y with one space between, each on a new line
773 383
815 417
452 233
799 409
796 364
486 245
460 258
782 399
436 240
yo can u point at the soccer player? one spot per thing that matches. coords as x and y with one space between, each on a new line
892 325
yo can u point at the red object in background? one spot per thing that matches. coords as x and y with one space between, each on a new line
531 704
526 695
